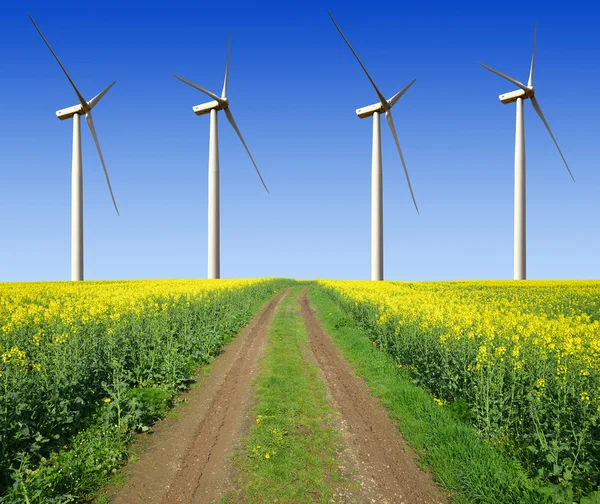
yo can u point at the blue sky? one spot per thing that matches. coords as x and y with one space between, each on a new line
294 87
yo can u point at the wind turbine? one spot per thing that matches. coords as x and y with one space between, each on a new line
212 107
84 107
525 91
384 106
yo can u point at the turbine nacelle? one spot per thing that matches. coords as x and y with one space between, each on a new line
513 96
205 108
68 113
371 109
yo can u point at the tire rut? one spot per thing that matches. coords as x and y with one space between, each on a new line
374 452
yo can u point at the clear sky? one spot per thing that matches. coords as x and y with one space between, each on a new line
294 87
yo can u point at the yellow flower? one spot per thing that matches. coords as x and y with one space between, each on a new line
107 400
437 401
14 354
267 455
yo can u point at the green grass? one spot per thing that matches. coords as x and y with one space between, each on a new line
291 423
462 462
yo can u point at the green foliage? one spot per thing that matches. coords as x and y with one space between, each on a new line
462 461
138 408
518 361
76 471
114 372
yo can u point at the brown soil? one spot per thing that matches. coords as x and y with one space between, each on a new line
187 459
374 454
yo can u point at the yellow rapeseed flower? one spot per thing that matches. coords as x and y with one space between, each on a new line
14 355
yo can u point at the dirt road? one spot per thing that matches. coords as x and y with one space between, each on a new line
187 459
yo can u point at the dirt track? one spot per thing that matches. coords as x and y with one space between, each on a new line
386 469
187 458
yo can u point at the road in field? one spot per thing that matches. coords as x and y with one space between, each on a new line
379 459
187 458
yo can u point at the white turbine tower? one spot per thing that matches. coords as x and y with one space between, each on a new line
520 184
384 106
84 107
212 107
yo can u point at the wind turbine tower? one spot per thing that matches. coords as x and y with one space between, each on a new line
75 113
212 107
519 96
382 107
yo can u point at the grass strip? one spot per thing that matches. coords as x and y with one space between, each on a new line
465 464
290 454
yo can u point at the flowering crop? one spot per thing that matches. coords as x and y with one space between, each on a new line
524 357
75 352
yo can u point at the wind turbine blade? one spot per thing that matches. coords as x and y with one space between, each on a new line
514 81
224 93
94 101
390 121
81 99
399 94
234 126
537 108
200 88
381 97
90 122
530 81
